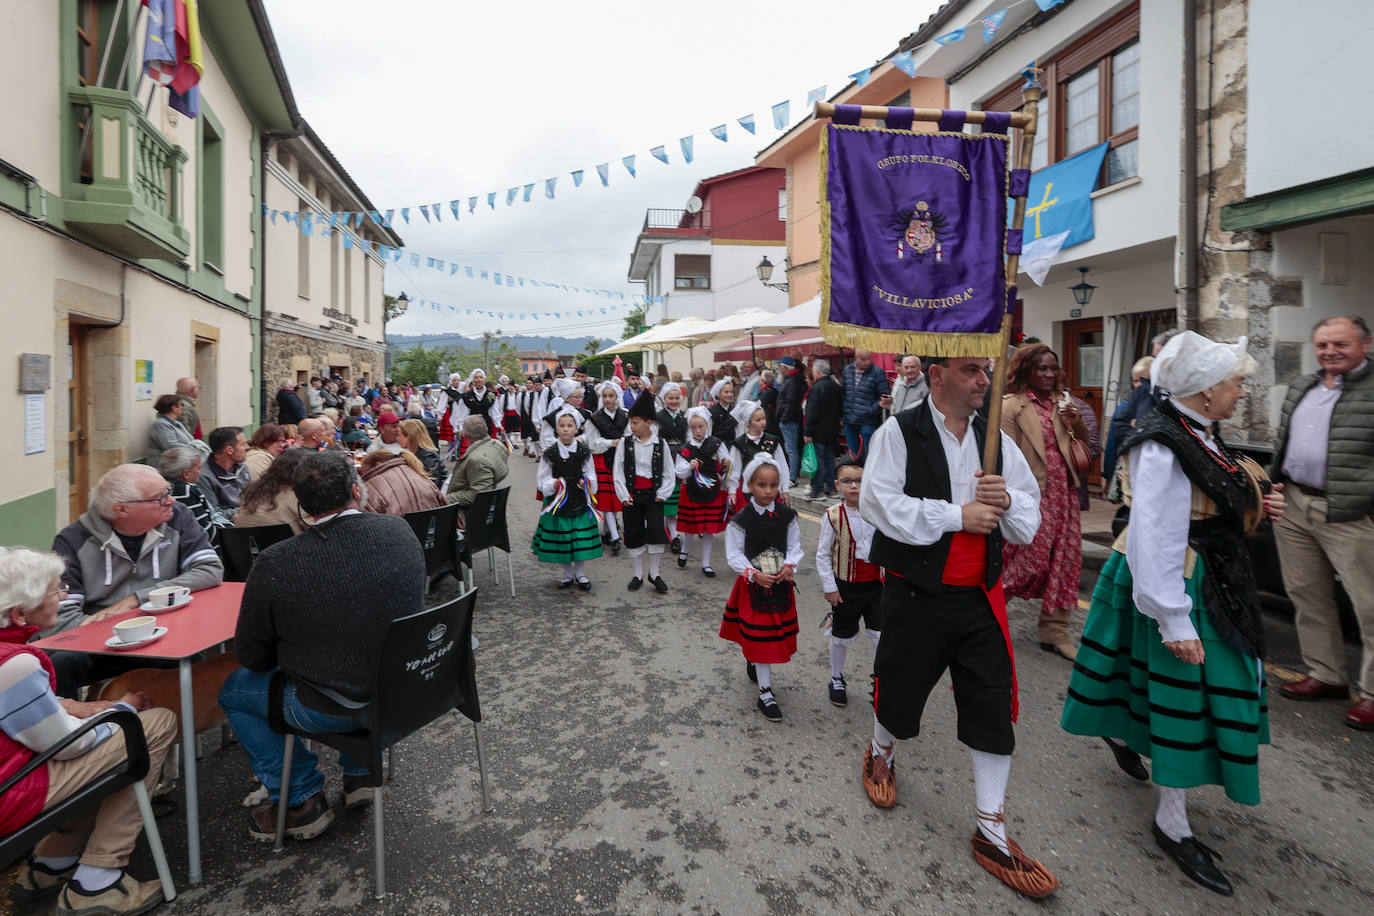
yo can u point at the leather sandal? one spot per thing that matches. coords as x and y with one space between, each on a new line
880 779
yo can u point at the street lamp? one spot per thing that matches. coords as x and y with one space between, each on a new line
765 272
402 303
1082 290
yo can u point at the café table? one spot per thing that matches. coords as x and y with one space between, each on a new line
203 627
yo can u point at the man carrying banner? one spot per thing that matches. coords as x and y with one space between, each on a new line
940 521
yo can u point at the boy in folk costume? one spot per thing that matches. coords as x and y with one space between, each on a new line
940 521
702 465
763 545
605 429
751 420
644 479
852 585
568 532
508 405
672 429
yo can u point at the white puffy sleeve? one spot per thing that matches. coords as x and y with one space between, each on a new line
622 490
543 478
1157 540
908 519
1020 521
825 567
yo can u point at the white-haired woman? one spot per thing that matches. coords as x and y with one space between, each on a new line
1171 664
181 466
83 862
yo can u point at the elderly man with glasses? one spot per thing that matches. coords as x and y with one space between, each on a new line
134 537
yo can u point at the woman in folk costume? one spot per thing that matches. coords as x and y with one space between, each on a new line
605 429
724 426
703 465
443 408
568 532
1040 417
1171 664
643 471
763 545
508 405
672 429
751 419
476 399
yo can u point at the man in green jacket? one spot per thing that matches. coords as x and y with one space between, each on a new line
1325 458
485 465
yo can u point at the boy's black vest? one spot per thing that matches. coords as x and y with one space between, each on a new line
656 463
570 470
748 448
927 477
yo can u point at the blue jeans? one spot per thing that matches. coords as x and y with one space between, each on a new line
856 436
244 701
823 481
792 447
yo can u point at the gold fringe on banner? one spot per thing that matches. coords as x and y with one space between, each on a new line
893 340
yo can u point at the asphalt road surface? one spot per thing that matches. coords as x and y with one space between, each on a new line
632 774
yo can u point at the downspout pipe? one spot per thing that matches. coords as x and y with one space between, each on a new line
1190 194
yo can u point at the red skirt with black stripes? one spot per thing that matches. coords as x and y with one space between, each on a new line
606 500
766 637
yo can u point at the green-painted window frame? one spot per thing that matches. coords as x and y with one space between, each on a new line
210 171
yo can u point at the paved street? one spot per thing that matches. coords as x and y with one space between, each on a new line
632 774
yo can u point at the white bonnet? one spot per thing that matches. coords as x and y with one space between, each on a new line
720 383
743 411
762 459
1190 363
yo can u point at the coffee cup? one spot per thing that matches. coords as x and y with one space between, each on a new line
168 596
135 629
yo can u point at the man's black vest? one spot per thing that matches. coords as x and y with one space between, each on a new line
927 477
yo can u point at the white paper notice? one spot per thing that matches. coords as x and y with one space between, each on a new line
35 423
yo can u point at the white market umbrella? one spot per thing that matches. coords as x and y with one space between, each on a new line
662 336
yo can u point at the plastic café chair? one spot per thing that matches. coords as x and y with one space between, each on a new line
239 547
486 530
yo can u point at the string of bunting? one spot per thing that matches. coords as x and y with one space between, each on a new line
988 26
606 312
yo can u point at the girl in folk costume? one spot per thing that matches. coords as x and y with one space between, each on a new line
508 405
724 426
444 407
1171 664
568 532
605 429
702 465
672 429
644 479
852 585
548 418
751 441
763 545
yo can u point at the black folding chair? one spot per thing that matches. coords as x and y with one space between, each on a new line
427 669
437 531
239 547
131 771
486 530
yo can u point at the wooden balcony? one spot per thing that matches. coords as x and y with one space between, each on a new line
128 196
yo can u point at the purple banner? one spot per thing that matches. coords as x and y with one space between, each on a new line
914 239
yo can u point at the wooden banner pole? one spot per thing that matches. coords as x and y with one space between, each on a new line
1030 95
880 113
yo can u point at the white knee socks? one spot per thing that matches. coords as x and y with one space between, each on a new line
707 542
672 527
1172 813
580 569
765 676
567 570
637 559
990 774
873 637
884 742
838 649
655 555
611 529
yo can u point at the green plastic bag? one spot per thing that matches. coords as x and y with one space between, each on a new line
808 462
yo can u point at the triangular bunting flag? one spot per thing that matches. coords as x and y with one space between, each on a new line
720 133
577 178
1047 5
603 171
472 204
949 38
815 95
660 154
511 194
780 118
424 210
992 23
862 76
405 214
548 187
747 122
454 206
436 209
903 62
629 163
529 189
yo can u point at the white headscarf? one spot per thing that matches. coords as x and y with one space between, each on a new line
670 386
562 387
1190 363
698 412
569 411
742 412
720 383
762 459
619 395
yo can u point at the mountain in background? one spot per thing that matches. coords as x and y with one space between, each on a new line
396 342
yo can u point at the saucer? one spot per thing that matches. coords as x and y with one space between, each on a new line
149 608
114 642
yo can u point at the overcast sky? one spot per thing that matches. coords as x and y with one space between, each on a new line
431 100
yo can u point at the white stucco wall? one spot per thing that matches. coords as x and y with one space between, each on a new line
1306 64
32 63
734 280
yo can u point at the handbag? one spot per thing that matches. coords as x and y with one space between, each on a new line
808 460
1079 456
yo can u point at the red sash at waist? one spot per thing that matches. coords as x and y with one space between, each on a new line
865 571
643 483
967 565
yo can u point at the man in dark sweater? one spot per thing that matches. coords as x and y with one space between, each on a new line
327 632
824 411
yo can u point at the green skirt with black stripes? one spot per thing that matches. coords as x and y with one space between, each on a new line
1198 724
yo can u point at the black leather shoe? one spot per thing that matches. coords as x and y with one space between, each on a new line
584 583
708 572
1129 761
1194 860
676 546
635 583
659 585
615 546
682 561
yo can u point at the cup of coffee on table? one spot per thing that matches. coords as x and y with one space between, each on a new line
166 597
135 629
